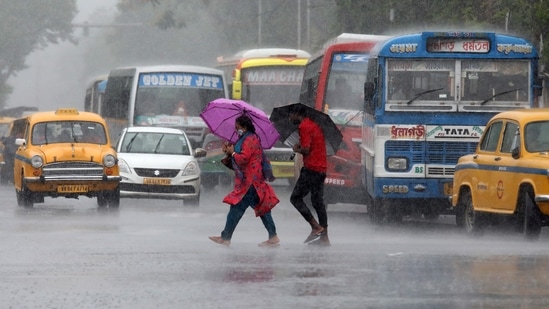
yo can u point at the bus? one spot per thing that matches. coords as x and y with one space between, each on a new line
333 83
268 78
94 93
428 97
167 95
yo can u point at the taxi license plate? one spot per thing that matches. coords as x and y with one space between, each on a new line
448 188
157 181
72 188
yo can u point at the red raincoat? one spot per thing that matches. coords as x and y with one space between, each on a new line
249 173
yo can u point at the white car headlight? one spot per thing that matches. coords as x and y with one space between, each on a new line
124 167
397 164
191 169
37 161
109 160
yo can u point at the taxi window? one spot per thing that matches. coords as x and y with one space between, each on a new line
536 136
490 140
68 132
509 135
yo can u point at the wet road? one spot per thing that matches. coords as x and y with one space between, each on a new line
156 254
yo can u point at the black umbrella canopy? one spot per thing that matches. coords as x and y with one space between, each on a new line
280 117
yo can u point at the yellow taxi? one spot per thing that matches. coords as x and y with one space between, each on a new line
65 153
506 180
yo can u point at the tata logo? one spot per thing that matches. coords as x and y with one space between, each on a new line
448 132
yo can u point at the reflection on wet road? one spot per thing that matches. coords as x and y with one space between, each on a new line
156 254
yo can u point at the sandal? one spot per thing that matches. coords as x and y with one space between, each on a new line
314 235
219 240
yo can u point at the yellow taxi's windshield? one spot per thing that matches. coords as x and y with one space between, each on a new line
68 132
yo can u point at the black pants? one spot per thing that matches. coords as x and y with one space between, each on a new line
313 182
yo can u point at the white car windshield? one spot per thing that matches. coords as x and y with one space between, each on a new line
159 143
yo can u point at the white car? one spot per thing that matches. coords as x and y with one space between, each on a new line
158 162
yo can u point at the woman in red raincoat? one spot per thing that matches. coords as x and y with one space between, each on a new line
250 188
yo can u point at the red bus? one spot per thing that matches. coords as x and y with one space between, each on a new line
333 82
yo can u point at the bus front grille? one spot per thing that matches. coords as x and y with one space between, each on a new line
440 158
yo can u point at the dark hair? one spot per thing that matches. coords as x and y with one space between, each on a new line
246 122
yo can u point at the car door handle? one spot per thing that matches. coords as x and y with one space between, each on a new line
497 158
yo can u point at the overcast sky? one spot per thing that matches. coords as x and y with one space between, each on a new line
54 77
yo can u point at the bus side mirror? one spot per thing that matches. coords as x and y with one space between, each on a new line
237 90
369 91
538 87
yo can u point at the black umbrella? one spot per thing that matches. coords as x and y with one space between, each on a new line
280 117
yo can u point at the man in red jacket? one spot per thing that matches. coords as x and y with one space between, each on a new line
312 146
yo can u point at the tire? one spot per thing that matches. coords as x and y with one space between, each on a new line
394 215
532 217
431 213
113 198
193 202
472 220
24 197
209 182
375 211
102 200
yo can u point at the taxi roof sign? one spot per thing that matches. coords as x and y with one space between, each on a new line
66 111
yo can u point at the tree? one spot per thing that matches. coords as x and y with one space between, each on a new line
28 25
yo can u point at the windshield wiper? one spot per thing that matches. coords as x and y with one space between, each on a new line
158 144
129 146
422 93
497 95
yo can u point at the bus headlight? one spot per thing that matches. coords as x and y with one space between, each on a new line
37 161
191 169
397 164
109 160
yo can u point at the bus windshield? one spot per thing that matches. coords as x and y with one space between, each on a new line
270 86
168 99
457 85
346 81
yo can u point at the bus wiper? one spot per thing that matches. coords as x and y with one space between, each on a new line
497 95
129 146
158 144
422 93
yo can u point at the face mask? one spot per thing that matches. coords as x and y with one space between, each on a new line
239 132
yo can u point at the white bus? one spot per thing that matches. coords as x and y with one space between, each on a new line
94 93
168 96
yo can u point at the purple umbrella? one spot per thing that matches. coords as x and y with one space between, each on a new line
220 116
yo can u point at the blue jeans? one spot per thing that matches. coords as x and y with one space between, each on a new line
237 211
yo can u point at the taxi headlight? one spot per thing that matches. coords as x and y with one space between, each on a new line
397 164
37 161
124 167
109 160
191 169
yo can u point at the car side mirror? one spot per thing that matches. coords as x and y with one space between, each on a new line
20 142
515 153
199 153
